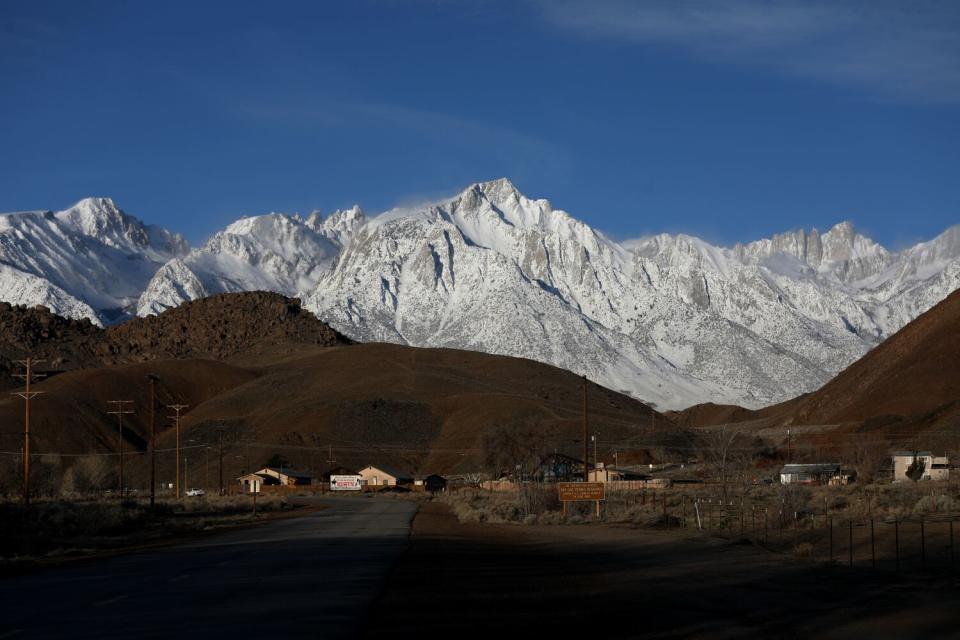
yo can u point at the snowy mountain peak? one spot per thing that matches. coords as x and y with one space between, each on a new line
340 226
671 319
102 219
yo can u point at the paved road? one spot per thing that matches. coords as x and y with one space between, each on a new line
309 577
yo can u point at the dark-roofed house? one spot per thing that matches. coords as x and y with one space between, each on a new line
336 471
434 483
383 476
809 473
286 477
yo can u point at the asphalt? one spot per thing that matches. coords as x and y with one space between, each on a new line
314 576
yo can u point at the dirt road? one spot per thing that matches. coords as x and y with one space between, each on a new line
513 581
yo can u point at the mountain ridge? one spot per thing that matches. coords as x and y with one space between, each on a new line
671 319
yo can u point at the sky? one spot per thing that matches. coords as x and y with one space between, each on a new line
730 120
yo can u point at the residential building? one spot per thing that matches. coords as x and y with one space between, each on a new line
929 467
270 476
383 476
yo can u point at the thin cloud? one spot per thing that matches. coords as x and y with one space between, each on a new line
903 50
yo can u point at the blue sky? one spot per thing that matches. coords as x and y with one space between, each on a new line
731 119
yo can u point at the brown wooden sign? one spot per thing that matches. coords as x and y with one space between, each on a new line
577 491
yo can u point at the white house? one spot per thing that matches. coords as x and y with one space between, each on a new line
381 476
933 467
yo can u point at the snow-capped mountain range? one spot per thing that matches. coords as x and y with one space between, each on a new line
671 319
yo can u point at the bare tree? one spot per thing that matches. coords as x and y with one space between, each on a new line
512 450
89 474
721 448
869 455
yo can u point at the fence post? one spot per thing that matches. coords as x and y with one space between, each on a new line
830 526
896 541
850 542
951 544
873 547
923 547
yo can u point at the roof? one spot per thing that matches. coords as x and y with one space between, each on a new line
290 472
910 454
262 476
390 471
823 467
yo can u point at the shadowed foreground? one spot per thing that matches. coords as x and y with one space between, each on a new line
311 576
515 581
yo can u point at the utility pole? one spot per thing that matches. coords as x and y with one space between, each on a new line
595 443
153 438
177 408
28 376
220 443
185 484
586 463
120 411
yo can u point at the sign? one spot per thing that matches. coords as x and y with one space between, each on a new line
345 483
576 491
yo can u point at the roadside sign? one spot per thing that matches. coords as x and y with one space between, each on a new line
580 492
577 491
345 483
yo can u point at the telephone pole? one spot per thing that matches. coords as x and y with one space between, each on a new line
120 411
177 408
596 443
330 458
153 438
586 463
28 376
220 443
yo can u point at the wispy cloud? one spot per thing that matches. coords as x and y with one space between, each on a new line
906 50
458 132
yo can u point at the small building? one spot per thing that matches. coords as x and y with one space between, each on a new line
254 482
383 476
433 483
271 476
604 473
558 467
287 477
335 471
928 467
820 473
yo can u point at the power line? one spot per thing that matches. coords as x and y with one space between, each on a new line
177 408
120 411
28 376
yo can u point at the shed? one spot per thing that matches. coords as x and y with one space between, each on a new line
819 473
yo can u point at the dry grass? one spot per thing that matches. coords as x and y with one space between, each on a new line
65 526
795 506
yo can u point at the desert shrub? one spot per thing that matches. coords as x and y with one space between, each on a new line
936 503
803 551
89 474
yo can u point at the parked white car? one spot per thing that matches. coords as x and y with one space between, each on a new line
196 492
